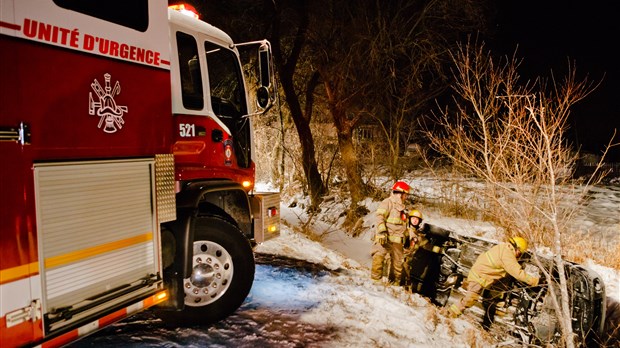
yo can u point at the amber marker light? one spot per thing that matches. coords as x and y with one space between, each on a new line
161 296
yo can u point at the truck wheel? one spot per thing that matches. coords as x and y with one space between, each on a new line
222 273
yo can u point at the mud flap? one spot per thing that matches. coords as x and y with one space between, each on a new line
180 268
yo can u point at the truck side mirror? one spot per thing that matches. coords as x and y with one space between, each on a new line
264 60
263 94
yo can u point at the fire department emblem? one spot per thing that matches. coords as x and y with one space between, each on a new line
228 152
110 114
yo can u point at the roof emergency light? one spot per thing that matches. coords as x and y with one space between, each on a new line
185 9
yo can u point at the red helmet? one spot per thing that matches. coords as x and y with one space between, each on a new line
401 186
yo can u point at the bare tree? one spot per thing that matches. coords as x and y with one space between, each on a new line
511 136
372 58
384 61
407 55
285 24
287 53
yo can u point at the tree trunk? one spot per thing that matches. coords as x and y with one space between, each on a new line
344 128
351 167
311 171
565 311
286 71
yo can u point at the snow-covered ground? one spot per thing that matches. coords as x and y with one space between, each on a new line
602 221
362 313
370 315
387 316
343 308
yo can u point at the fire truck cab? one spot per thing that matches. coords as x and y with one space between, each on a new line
127 168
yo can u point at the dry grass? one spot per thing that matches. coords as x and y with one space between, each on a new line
432 316
476 338
455 200
579 248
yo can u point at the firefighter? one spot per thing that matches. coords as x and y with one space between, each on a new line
390 234
416 235
415 239
491 268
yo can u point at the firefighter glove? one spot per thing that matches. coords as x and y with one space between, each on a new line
382 238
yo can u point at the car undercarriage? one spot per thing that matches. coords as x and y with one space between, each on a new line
438 271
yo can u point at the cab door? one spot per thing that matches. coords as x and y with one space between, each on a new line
19 276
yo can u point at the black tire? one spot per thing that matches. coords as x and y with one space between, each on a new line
222 273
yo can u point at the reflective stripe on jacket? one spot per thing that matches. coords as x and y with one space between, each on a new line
495 263
388 216
396 239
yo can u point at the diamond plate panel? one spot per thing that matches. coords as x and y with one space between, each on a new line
164 179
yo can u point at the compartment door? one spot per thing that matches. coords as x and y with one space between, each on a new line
98 236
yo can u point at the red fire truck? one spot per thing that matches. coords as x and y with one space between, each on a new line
127 168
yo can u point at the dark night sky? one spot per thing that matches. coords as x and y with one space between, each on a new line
549 33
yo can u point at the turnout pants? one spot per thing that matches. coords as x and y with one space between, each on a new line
378 252
491 296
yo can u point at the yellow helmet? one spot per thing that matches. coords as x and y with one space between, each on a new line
415 213
518 243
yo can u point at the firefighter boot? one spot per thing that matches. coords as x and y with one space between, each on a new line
376 270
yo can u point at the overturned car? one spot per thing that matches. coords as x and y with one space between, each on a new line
438 270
